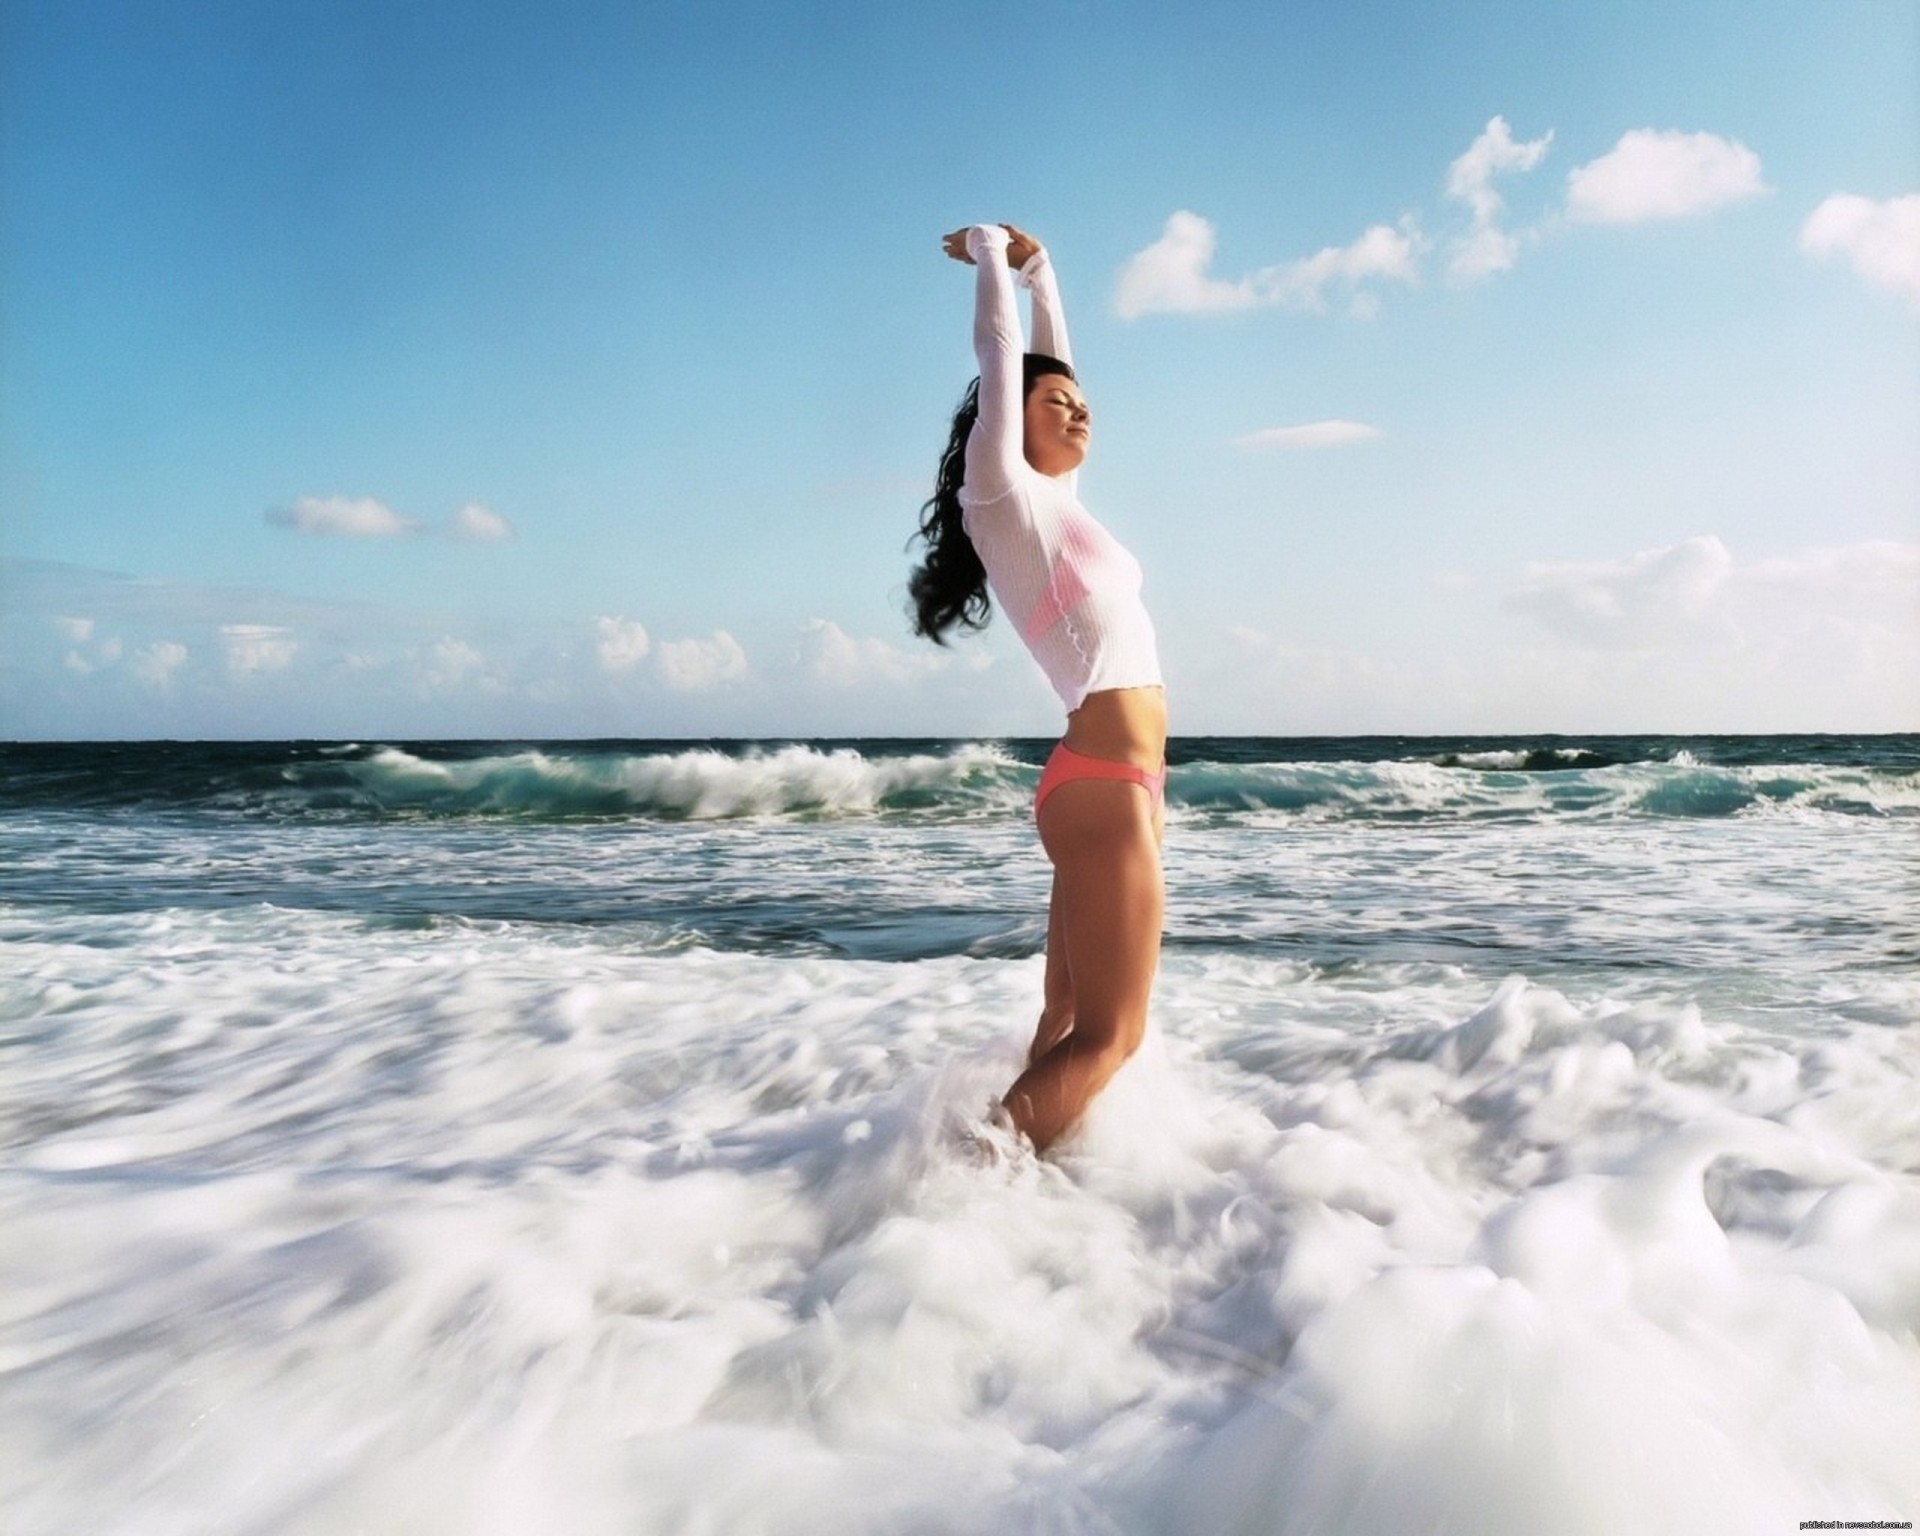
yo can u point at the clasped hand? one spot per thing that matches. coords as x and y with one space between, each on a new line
1021 246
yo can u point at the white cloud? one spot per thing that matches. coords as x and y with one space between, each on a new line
692 666
1312 434
481 525
1483 252
1382 252
450 663
1662 174
105 651
255 648
1487 248
1687 637
828 654
364 517
155 664
1878 571
1171 275
1632 603
1880 240
80 631
1265 664
1470 178
620 644
343 517
1657 595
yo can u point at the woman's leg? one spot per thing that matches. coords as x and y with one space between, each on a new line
1056 1007
1109 903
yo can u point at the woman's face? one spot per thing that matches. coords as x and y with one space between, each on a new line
1059 425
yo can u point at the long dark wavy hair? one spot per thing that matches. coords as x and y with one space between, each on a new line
949 587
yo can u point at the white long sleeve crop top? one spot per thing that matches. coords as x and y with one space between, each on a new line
1066 583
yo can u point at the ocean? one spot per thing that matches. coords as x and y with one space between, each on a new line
571 1137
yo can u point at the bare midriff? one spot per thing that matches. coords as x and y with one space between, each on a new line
1123 725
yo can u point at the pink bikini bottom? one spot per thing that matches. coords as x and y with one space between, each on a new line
1066 765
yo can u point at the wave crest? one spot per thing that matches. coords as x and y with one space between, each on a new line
1427 790
712 781
701 784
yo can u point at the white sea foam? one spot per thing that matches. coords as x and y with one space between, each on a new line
1495 785
699 784
314 1226
1520 757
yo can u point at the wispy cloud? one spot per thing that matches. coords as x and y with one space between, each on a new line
1312 434
1172 275
252 648
1685 637
1650 598
1879 240
829 655
1655 173
1873 574
156 664
452 663
87 655
619 644
343 517
693 666
479 524
1488 247
1632 602
367 517
1689 635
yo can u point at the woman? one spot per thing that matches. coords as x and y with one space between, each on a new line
1005 515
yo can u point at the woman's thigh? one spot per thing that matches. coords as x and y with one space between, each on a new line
1059 982
1108 898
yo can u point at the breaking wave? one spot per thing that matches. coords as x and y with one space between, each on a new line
1210 779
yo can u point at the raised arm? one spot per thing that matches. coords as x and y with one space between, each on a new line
1049 319
995 452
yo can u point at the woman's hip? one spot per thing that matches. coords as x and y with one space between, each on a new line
1067 766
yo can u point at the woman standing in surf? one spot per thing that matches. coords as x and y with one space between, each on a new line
1005 516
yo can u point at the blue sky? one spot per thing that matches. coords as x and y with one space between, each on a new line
429 369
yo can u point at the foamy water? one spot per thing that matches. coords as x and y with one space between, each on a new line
1547 1170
